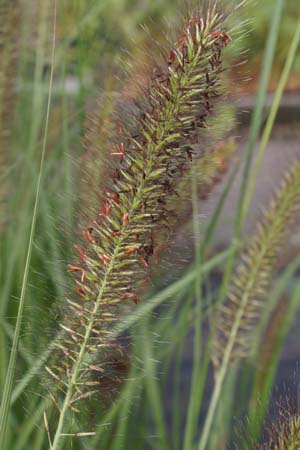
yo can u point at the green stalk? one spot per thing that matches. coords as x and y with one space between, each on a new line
176 409
152 388
6 398
193 406
220 377
28 426
124 413
271 119
223 417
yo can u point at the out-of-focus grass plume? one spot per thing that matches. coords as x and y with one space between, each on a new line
284 432
241 311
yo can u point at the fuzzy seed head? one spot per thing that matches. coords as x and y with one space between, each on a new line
148 160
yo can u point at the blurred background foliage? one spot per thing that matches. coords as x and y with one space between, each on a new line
93 39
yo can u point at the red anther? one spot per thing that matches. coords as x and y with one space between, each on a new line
135 299
115 197
121 150
105 259
125 219
172 56
193 21
96 223
131 250
80 291
117 233
87 235
80 252
143 261
182 41
74 268
224 37
106 208
215 34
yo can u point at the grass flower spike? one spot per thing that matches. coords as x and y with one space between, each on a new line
148 160
284 433
236 319
254 273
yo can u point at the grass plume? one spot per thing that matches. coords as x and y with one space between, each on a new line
284 434
148 158
254 272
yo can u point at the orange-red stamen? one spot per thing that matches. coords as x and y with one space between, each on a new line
121 150
80 252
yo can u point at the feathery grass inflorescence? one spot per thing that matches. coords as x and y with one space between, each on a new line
284 434
241 312
150 157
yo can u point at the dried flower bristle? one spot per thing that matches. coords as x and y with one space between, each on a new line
149 160
239 314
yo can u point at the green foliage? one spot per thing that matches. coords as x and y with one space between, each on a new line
259 29
8 69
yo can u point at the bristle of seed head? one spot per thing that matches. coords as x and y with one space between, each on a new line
284 432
